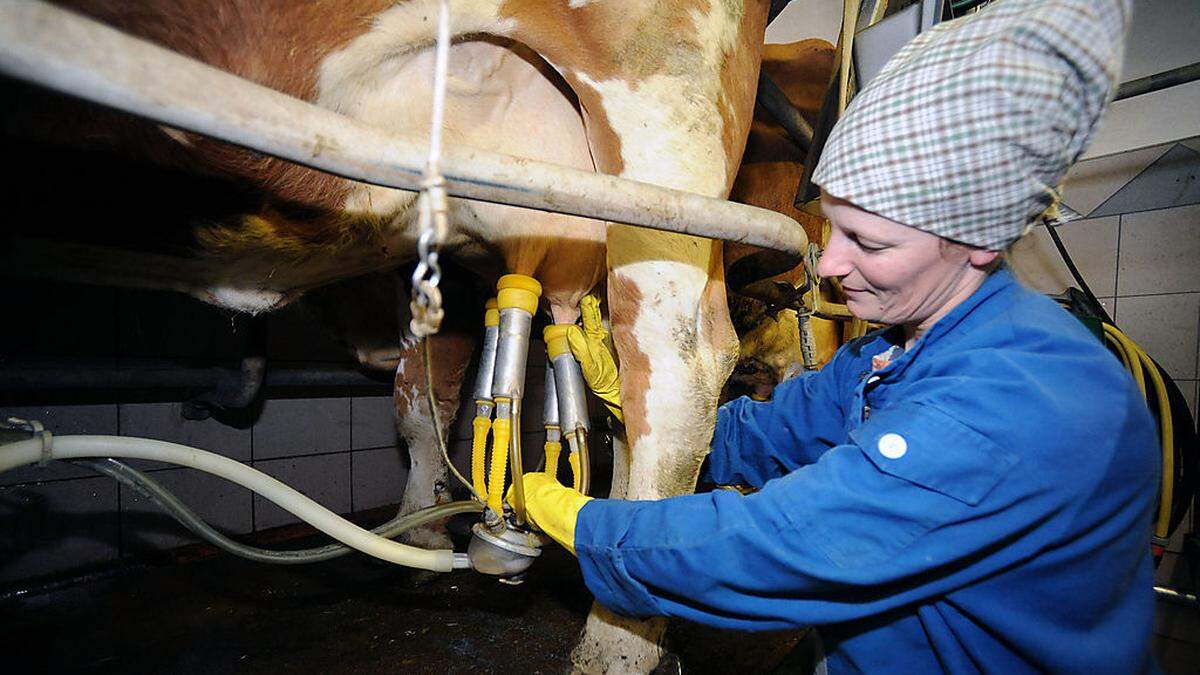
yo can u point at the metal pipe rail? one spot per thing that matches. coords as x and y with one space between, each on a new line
81 57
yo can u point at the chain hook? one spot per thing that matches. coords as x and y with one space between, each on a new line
426 305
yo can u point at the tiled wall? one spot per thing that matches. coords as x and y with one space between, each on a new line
341 451
1139 250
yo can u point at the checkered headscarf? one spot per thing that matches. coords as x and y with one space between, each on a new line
968 130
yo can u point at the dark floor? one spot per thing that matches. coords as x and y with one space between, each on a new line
212 613
208 613
351 615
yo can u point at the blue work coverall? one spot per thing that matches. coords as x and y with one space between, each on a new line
983 502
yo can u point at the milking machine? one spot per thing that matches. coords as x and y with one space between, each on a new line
503 543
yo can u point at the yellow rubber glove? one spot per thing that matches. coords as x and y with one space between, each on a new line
552 507
590 347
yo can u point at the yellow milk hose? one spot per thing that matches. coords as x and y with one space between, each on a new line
553 450
480 427
501 434
576 475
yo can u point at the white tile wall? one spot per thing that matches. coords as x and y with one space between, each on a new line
302 426
61 420
322 478
1166 327
1160 251
372 422
1092 244
224 505
378 477
1089 183
165 422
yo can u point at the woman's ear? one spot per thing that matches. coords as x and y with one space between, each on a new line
981 257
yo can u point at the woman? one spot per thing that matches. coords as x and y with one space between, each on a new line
970 489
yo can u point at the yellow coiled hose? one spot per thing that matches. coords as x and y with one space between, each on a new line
1139 363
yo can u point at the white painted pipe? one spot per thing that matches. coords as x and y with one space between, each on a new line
30 451
81 57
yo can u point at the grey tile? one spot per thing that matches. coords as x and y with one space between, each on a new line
1175 542
165 422
324 479
1169 182
1092 245
294 333
1160 251
1166 327
1176 657
222 504
1193 143
372 422
61 420
302 426
83 323
53 528
1090 182
156 324
1172 572
378 477
1188 389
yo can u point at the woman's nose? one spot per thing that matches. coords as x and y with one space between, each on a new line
835 259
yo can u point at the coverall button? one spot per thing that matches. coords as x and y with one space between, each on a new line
892 446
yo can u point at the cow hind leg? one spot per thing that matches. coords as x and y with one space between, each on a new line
429 481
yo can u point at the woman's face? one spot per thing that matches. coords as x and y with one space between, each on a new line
895 274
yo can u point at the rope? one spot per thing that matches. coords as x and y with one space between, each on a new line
427 313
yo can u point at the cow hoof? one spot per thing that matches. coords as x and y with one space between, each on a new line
429 537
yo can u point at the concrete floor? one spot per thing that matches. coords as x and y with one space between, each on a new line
204 612
207 612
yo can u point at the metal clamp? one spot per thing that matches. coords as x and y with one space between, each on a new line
37 429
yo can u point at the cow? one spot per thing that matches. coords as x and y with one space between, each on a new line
768 177
660 92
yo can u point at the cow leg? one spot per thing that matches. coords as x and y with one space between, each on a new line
451 349
673 112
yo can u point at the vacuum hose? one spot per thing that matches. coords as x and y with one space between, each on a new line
42 448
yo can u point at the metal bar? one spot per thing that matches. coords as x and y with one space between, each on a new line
81 57
79 375
775 102
1158 81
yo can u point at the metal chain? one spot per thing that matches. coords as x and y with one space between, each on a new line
426 302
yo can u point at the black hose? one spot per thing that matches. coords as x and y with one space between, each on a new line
1062 250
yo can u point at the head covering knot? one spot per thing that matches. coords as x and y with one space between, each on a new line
968 130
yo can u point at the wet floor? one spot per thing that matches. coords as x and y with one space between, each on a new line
219 614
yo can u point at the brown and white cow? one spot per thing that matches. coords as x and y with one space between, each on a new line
769 177
655 91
